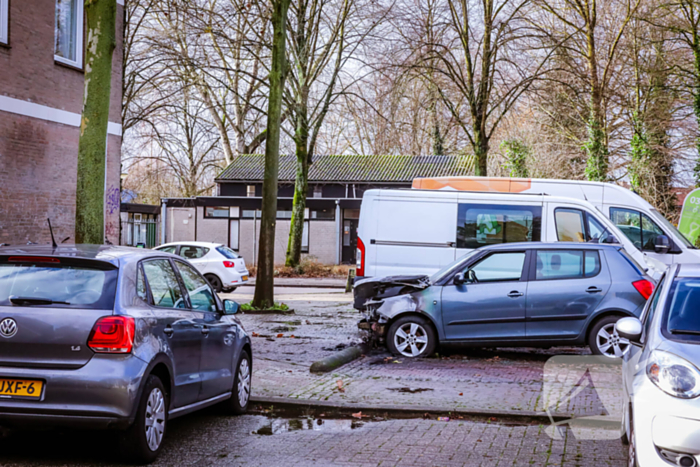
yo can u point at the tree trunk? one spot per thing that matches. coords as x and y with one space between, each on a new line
90 190
264 286
481 151
596 147
696 104
301 188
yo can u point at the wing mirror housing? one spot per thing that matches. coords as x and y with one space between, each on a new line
459 279
662 244
230 307
631 329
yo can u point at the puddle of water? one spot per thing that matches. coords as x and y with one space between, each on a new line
282 425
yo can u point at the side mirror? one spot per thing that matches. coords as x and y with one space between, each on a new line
662 244
629 328
230 307
459 279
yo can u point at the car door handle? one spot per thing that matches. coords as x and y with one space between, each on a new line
593 289
515 293
168 331
205 330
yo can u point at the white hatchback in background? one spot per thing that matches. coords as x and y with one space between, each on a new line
219 264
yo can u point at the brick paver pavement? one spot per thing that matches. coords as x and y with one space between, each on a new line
208 439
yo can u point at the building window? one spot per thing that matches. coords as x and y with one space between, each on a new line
216 212
325 214
318 191
69 32
4 21
250 191
305 238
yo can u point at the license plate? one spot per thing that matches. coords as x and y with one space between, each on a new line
20 388
244 278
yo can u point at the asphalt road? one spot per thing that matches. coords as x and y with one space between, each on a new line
208 438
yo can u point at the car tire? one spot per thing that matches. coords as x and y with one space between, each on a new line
240 394
215 282
143 440
411 336
612 346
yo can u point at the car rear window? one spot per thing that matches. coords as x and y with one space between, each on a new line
72 284
227 252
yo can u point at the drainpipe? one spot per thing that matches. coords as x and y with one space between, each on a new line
338 239
163 215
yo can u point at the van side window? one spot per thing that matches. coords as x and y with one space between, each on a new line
570 225
638 227
486 224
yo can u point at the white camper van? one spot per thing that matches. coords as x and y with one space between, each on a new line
643 225
419 231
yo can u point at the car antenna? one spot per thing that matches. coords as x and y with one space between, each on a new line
53 240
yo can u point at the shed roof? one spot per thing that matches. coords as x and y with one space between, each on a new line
342 168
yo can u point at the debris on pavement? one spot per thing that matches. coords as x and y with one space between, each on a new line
339 383
443 419
410 390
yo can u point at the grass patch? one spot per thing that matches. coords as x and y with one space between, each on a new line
275 307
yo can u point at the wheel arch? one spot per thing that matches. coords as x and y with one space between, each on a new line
161 367
602 315
419 314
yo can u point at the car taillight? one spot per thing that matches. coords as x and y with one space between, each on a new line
112 334
360 271
229 264
644 287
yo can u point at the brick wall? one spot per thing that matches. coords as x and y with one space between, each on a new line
38 158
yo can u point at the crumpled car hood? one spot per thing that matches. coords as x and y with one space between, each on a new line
385 287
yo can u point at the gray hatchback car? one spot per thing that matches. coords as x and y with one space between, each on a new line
113 337
513 294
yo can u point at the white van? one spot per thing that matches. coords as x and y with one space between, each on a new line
419 231
635 217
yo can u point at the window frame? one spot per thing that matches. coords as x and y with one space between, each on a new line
180 284
642 215
183 287
179 250
79 38
523 272
221 208
5 23
462 242
248 191
583 276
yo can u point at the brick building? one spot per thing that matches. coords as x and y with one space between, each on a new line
41 95
336 186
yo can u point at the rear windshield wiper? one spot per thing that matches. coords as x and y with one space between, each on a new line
35 301
685 331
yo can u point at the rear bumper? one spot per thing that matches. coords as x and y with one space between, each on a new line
101 394
235 278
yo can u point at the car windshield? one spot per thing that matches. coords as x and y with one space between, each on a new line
683 311
227 252
450 268
672 228
57 285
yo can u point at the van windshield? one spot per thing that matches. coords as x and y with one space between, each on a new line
670 227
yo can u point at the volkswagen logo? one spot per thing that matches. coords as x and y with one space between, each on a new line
8 327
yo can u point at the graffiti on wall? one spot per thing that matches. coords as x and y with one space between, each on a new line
112 200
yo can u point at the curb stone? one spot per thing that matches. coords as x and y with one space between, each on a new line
398 411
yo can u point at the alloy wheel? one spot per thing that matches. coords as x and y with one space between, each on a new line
243 382
155 419
610 343
411 339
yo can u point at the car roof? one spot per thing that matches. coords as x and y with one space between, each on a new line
689 270
551 246
205 244
109 253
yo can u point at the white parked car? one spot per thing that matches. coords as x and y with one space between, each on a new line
221 266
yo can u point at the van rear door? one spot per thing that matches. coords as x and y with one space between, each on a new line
415 232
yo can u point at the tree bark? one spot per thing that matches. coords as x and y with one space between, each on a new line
90 190
301 188
264 286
